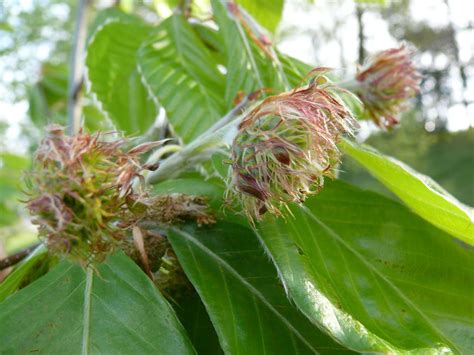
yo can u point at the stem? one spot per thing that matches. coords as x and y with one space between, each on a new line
458 61
252 26
231 115
350 85
186 7
360 23
16 258
196 152
219 135
170 148
76 75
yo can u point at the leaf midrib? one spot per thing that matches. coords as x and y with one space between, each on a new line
378 273
368 334
86 321
257 294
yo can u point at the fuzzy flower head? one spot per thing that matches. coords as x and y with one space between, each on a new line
83 196
286 145
81 192
386 85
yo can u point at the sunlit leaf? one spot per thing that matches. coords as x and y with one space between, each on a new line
248 68
419 192
241 292
372 273
183 76
113 75
266 12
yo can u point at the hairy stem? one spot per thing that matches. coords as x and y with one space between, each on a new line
194 153
233 114
350 85
199 150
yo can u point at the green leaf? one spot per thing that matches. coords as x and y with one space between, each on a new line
47 99
266 12
116 309
16 278
11 170
419 192
375 275
241 292
114 78
164 8
194 317
248 68
8 215
5 26
12 167
111 14
182 74
211 39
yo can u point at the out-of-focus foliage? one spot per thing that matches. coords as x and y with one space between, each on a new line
47 99
12 167
40 30
267 13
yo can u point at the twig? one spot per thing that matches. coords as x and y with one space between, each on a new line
232 114
455 44
16 258
76 75
360 23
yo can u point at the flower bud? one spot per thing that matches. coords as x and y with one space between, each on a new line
286 145
386 85
83 196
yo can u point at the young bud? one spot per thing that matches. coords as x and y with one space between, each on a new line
286 146
386 85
